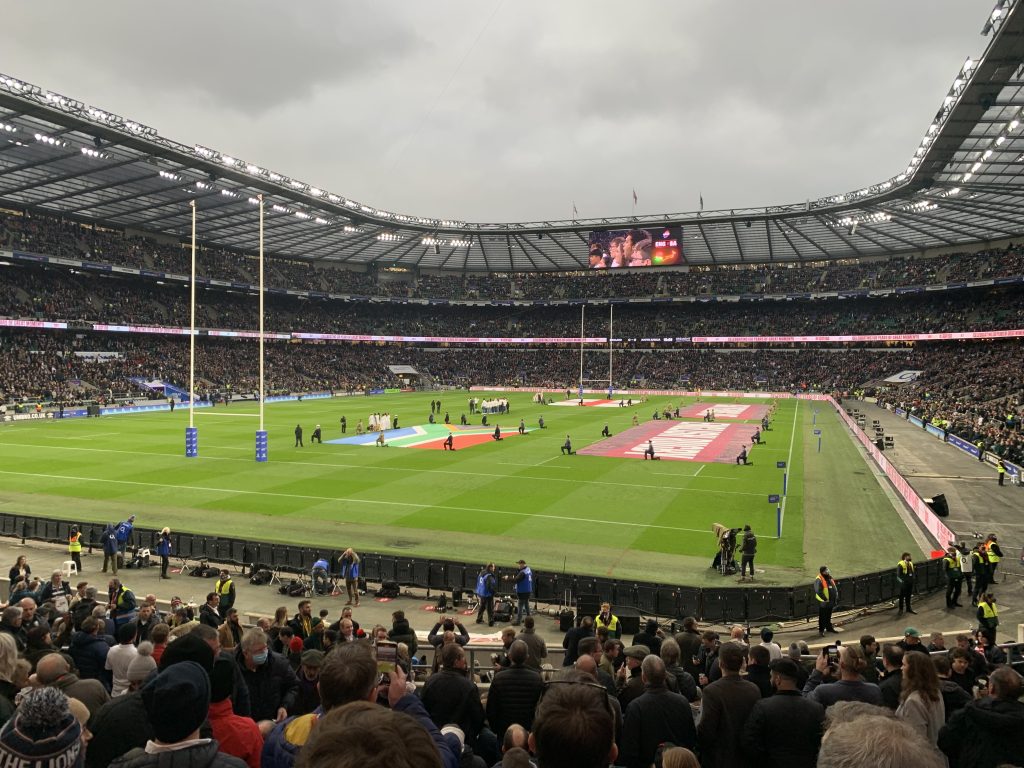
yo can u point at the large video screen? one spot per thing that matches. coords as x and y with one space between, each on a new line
622 248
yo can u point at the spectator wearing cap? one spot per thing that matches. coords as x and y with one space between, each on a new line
237 735
123 723
784 730
308 675
54 671
43 732
657 716
912 641
177 702
629 681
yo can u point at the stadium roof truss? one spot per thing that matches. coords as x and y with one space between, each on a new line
963 185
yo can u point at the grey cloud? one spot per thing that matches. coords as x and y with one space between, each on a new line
746 103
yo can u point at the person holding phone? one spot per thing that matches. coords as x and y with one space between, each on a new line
822 686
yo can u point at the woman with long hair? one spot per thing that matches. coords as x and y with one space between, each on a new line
921 704
8 668
21 571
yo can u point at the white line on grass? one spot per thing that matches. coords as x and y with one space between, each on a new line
699 470
353 501
384 468
789 463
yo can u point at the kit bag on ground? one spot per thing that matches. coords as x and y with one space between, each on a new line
503 609
261 577
388 589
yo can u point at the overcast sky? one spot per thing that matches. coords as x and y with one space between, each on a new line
493 111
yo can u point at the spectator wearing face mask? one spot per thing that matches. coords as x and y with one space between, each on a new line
269 678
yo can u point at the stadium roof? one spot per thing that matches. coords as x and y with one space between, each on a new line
963 185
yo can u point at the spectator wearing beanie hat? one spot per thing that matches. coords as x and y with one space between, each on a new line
140 667
238 736
177 702
123 724
42 732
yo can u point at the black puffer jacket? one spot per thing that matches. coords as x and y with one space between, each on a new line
513 698
199 756
401 632
271 685
984 734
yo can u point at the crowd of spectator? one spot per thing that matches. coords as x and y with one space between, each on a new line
54 293
972 388
97 676
57 237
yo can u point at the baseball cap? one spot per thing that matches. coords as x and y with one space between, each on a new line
911 632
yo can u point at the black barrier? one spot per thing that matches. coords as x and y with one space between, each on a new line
753 604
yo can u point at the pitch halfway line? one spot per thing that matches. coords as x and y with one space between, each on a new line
395 469
352 501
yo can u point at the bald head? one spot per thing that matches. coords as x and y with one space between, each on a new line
51 667
653 670
586 664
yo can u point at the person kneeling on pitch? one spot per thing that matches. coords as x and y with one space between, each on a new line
605 432
449 442
497 432
567 446
380 440
316 438
756 439
742 458
649 452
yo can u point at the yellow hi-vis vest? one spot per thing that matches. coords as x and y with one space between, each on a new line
75 543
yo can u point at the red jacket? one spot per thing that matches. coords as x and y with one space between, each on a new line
238 736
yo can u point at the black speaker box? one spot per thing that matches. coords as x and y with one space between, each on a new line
565 621
939 505
587 605
629 620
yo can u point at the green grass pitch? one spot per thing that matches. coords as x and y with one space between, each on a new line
621 518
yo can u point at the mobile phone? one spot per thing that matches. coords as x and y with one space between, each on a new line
387 656
832 654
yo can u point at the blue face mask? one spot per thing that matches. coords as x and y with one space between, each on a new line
260 658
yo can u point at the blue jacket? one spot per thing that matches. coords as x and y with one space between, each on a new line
109 537
349 569
485 584
124 531
89 653
524 581
163 547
